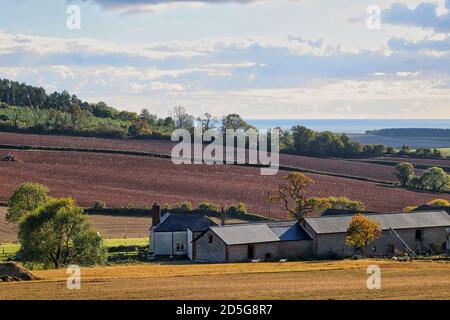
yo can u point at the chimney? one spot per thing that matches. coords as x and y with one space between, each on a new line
156 214
222 217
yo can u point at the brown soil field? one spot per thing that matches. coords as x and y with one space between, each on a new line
111 227
333 166
85 142
121 180
293 280
8 232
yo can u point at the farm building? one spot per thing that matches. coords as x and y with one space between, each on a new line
202 240
252 241
420 232
172 234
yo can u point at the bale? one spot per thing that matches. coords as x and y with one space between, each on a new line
11 271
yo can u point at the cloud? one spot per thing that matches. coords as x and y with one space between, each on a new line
135 6
425 15
426 46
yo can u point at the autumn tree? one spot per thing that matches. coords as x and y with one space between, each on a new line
25 199
439 203
139 128
404 172
362 231
292 194
57 234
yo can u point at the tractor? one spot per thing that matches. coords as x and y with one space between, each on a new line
9 157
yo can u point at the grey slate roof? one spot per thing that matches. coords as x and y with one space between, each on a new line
183 221
412 220
260 232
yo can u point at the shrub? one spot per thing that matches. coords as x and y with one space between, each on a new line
238 209
206 207
99 205
435 179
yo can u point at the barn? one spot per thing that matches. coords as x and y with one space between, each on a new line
253 241
415 232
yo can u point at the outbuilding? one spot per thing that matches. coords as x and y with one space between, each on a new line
414 232
253 241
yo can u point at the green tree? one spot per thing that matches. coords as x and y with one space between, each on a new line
208 121
235 122
302 139
25 199
57 234
435 179
362 231
404 172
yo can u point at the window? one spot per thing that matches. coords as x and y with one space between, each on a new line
180 246
210 239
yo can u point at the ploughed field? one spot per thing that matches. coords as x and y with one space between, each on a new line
121 180
345 279
345 168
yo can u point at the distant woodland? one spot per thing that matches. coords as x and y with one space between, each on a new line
25 108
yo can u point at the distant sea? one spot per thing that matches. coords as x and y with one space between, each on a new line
356 130
349 126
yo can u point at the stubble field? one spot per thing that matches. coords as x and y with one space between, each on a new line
293 280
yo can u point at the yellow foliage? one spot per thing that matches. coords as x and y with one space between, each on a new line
410 208
362 231
439 203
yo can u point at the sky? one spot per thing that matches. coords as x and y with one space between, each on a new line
263 59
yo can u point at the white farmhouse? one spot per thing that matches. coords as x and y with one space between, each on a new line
172 234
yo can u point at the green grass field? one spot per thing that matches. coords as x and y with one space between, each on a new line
9 250
445 152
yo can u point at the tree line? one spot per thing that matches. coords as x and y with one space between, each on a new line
25 108
433 179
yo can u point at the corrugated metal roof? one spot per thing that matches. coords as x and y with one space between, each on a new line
288 231
183 221
246 233
261 232
412 220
